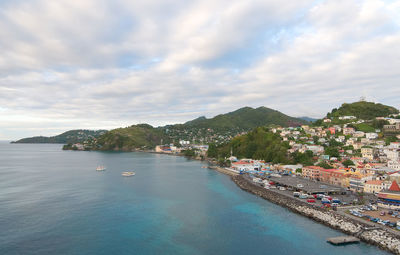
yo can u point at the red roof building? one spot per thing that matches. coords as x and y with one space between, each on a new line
394 186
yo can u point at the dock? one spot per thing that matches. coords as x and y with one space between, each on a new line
341 240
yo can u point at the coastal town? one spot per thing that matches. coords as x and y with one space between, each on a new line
341 170
354 169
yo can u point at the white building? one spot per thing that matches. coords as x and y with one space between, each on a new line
371 135
358 134
348 131
394 165
392 155
347 117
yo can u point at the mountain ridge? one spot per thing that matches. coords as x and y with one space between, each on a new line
70 136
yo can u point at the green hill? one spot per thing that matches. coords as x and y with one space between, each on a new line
72 136
132 138
223 128
257 144
246 118
363 110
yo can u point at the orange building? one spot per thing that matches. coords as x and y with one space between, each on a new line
312 172
333 176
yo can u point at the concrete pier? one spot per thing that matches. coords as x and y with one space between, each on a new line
341 240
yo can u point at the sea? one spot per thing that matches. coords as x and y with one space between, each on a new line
55 202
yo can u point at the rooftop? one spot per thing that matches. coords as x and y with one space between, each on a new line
308 185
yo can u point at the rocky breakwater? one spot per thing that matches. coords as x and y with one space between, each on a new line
378 237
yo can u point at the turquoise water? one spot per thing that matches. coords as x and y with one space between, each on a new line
54 202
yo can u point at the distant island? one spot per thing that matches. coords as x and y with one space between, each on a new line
72 136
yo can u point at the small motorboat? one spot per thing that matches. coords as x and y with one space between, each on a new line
100 168
127 174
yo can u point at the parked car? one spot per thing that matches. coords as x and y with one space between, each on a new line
282 188
303 196
296 194
325 201
311 200
300 185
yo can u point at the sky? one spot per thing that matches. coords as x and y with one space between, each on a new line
98 64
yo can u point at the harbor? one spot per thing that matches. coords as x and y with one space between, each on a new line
350 226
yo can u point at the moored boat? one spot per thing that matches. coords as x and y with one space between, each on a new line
100 168
127 174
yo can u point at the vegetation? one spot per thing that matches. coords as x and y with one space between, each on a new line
348 163
246 118
72 136
142 136
305 159
212 151
257 144
364 127
332 151
325 165
189 153
390 139
363 110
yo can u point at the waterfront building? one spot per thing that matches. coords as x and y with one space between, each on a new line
356 184
312 172
373 186
390 198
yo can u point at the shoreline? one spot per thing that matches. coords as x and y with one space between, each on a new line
223 170
378 237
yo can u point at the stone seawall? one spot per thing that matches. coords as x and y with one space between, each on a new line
378 237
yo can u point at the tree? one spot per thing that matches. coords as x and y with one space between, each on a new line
324 165
212 151
390 139
332 151
189 153
347 163
305 158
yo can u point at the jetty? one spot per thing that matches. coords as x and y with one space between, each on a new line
341 240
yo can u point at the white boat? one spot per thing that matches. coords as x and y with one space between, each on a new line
100 168
127 174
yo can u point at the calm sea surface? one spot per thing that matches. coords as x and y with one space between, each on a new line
54 202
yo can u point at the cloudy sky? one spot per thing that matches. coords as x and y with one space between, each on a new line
104 64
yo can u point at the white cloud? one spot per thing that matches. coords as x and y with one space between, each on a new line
72 64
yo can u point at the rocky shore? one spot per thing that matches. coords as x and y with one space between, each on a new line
379 237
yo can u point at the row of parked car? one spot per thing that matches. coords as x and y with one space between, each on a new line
359 213
324 198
